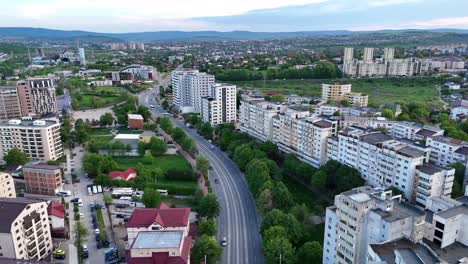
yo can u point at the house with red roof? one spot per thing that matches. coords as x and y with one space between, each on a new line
162 218
159 235
127 175
56 212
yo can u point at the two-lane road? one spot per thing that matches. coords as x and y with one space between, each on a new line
238 218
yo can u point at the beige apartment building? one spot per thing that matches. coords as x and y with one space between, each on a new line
9 103
40 139
337 92
24 229
7 186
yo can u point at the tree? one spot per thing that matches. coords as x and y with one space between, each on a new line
344 103
279 247
205 246
310 252
388 113
274 231
147 159
207 227
151 198
106 120
158 146
208 206
319 179
188 145
178 134
282 198
279 98
141 148
16 157
206 130
107 198
203 164
265 201
94 164
278 218
165 124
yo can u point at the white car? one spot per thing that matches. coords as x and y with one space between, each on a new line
81 215
224 242
96 231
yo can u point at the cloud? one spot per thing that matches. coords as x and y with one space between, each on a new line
448 22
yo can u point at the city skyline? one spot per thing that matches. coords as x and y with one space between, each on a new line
268 16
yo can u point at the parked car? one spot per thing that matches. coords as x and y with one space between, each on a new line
97 237
81 215
96 231
119 216
99 245
224 242
120 206
75 200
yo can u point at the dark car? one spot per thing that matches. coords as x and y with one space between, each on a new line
120 206
74 200
119 216
97 237
99 245
95 226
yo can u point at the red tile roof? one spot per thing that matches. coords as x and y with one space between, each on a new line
123 175
164 216
56 209
163 257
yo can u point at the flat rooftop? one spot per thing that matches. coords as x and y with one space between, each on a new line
454 211
375 138
134 116
360 197
128 136
28 123
152 240
409 250
411 152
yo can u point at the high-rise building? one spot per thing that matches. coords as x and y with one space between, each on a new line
41 178
348 54
188 89
220 106
362 217
24 229
368 55
338 92
9 103
389 54
81 53
7 186
40 139
37 96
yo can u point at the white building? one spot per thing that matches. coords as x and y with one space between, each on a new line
256 117
459 110
40 139
140 71
446 151
7 186
433 181
188 89
414 131
364 216
220 105
24 229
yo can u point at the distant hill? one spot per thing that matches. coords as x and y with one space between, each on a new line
44 33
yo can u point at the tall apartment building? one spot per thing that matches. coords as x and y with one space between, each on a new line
348 54
9 103
432 181
385 162
256 117
41 178
362 217
188 89
24 229
338 92
7 186
37 96
285 128
220 105
40 139
446 151
414 131
386 66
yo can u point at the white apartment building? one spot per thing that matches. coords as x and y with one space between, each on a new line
40 139
362 217
357 99
382 161
365 122
24 229
432 180
220 106
335 92
285 128
7 186
188 89
445 150
414 131
459 110
256 117
140 71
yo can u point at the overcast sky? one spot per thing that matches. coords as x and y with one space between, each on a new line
227 15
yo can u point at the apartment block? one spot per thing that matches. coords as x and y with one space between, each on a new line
220 105
285 128
414 131
37 96
338 92
188 89
7 186
256 117
40 139
41 178
445 150
24 229
364 216
382 161
9 103
432 181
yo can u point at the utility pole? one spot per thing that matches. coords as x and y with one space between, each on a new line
280 259
205 259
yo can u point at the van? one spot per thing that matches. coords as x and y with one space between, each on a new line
80 203
99 189
163 192
94 189
64 193
126 198
90 191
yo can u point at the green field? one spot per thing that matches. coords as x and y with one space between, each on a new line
380 91
88 101
164 162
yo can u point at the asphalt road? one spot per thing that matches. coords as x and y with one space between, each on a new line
238 218
63 101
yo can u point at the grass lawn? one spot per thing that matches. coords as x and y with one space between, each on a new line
109 89
125 130
163 162
88 101
101 225
176 202
99 132
101 140
380 91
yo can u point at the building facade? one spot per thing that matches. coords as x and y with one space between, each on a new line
37 96
40 139
188 89
135 121
339 92
24 229
9 103
41 178
220 106
7 186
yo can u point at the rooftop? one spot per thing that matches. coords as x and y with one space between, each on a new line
360 197
401 210
411 152
27 123
164 216
429 168
134 116
41 166
323 124
447 140
10 208
454 211
375 138
462 151
409 249
153 240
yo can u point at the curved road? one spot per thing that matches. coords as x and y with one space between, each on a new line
237 220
